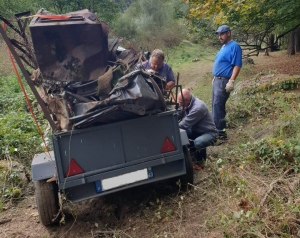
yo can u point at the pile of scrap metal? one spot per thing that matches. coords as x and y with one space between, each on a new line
87 79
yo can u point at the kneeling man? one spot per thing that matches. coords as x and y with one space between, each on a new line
198 124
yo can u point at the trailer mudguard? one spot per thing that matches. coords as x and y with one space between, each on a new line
43 166
184 137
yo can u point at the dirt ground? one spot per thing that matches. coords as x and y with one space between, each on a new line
132 213
279 63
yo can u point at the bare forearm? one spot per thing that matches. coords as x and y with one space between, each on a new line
235 72
170 85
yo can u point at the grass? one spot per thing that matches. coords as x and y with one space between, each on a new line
6 67
251 175
182 56
195 75
19 137
249 187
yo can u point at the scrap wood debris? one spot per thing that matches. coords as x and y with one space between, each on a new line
84 77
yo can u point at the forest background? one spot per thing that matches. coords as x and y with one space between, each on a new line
154 24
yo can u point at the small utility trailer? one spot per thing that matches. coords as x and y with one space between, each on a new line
96 161
104 158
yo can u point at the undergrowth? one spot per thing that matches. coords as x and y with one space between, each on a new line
249 188
250 185
257 174
19 137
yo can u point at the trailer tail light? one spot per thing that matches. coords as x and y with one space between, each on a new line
73 169
167 146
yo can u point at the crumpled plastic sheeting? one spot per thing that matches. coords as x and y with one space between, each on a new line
134 94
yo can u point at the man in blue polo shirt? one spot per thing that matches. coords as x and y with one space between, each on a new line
159 66
226 68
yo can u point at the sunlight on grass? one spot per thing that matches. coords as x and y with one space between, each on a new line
194 64
186 52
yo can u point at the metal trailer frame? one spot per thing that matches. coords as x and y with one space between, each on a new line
52 165
114 150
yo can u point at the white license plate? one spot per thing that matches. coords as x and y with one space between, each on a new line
124 179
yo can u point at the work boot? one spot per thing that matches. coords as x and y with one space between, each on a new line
200 154
192 150
222 135
200 157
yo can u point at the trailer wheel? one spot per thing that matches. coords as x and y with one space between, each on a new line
188 178
46 195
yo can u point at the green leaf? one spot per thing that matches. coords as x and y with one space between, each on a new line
236 215
249 214
297 147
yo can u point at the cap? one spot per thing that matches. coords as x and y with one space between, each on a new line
222 29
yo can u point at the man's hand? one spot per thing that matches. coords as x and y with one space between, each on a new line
229 86
151 71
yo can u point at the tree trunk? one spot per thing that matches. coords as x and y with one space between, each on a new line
266 52
291 44
271 43
297 40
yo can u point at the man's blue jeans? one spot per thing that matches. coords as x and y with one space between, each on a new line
199 142
219 99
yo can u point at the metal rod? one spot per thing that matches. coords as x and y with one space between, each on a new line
22 30
177 82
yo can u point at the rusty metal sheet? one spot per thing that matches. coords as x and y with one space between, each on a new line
113 44
74 49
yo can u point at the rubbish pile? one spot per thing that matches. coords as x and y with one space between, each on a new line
87 79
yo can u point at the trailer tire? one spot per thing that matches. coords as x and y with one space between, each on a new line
188 178
46 195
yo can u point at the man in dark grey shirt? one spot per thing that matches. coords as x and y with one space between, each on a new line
197 122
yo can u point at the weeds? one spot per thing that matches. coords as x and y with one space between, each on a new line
274 151
259 187
11 182
249 188
19 137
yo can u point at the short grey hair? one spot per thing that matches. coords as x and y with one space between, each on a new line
157 53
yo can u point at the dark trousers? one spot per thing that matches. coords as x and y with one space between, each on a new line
219 99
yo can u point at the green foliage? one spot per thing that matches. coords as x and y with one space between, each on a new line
264 169
12 192
11 184
274 151
151 24
252 21
106 10
252 13
9 8
19 136
265 98
290 83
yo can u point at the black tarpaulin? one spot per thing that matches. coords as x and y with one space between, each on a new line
134 94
